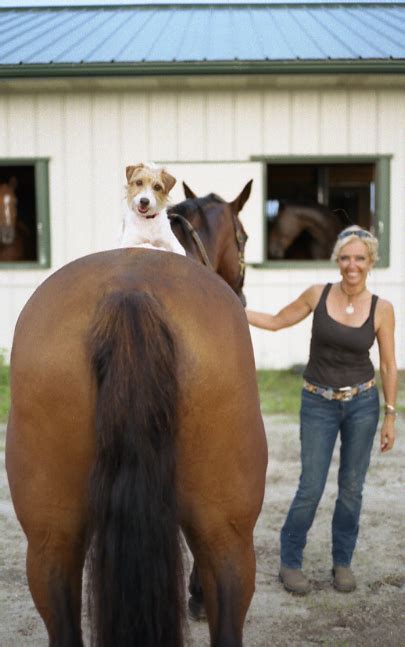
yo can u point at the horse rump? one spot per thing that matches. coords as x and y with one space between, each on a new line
135 590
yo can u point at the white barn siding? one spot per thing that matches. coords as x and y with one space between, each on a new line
90 135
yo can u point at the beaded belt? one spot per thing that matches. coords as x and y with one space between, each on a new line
344 393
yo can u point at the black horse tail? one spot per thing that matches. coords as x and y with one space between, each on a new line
135 565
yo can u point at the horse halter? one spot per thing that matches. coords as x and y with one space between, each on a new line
240 241
195 237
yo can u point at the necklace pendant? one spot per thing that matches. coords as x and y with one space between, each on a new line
349 309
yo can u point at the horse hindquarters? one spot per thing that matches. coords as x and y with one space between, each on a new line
135 561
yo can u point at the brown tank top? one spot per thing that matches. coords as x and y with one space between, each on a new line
339 354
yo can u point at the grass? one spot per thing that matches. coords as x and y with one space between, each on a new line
280 391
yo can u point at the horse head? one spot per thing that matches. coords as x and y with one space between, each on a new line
302 231
8 211
210 230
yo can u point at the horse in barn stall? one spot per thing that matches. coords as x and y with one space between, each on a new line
303 232
132 417
15 239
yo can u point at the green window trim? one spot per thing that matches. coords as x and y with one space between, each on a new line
382 201
41 179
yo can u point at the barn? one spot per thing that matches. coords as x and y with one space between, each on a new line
306 98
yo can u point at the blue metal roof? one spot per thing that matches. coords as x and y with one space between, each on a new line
195 38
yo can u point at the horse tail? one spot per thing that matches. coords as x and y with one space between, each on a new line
135 564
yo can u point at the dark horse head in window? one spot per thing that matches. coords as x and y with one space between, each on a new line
302 231
15 237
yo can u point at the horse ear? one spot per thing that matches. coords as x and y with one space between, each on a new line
129 171
168 180
13 182
239 202
190 195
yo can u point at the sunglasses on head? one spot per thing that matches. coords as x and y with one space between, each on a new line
361 233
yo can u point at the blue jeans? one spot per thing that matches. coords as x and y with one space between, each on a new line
321 421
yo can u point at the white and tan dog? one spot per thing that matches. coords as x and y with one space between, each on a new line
145 219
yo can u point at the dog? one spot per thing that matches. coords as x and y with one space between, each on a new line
145 221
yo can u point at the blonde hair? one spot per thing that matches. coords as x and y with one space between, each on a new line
352 233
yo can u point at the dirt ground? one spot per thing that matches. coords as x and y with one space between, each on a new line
374 615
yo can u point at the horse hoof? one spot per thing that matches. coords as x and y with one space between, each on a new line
196 609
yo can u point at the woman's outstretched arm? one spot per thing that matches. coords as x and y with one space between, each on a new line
290 315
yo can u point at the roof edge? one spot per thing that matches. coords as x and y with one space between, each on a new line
203 3
357 66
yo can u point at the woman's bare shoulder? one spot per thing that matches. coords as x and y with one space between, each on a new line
384 312
384 305
384 315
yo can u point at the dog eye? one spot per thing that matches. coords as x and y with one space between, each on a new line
138 182
157 187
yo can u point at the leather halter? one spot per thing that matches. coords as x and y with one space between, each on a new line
240 240
200 246
195 237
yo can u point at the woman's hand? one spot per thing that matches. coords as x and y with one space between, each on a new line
387 434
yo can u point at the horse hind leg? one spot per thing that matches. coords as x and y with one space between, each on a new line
196 601
228 581
54 574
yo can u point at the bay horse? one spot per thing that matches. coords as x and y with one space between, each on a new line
15 243
210 231
134 413
303 231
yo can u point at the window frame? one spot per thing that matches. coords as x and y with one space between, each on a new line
42 204
383 199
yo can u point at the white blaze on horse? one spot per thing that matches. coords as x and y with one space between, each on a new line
8 211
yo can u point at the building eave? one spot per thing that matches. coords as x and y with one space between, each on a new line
174 68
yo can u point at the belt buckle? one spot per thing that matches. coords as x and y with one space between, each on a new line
347 393
327 394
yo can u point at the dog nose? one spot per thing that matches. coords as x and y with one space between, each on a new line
144 202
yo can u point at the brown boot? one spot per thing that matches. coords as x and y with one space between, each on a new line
343 579
294 580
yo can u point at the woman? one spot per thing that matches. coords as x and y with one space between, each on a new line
339 394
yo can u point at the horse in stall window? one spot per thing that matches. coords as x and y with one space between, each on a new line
15 239
303 232
134 413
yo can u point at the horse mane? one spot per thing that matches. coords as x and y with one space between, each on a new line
198 204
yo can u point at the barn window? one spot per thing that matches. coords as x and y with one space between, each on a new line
309 202
24 214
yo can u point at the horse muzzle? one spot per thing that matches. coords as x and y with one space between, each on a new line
7 235
275 250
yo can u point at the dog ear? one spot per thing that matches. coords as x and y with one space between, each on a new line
131 169
168 180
